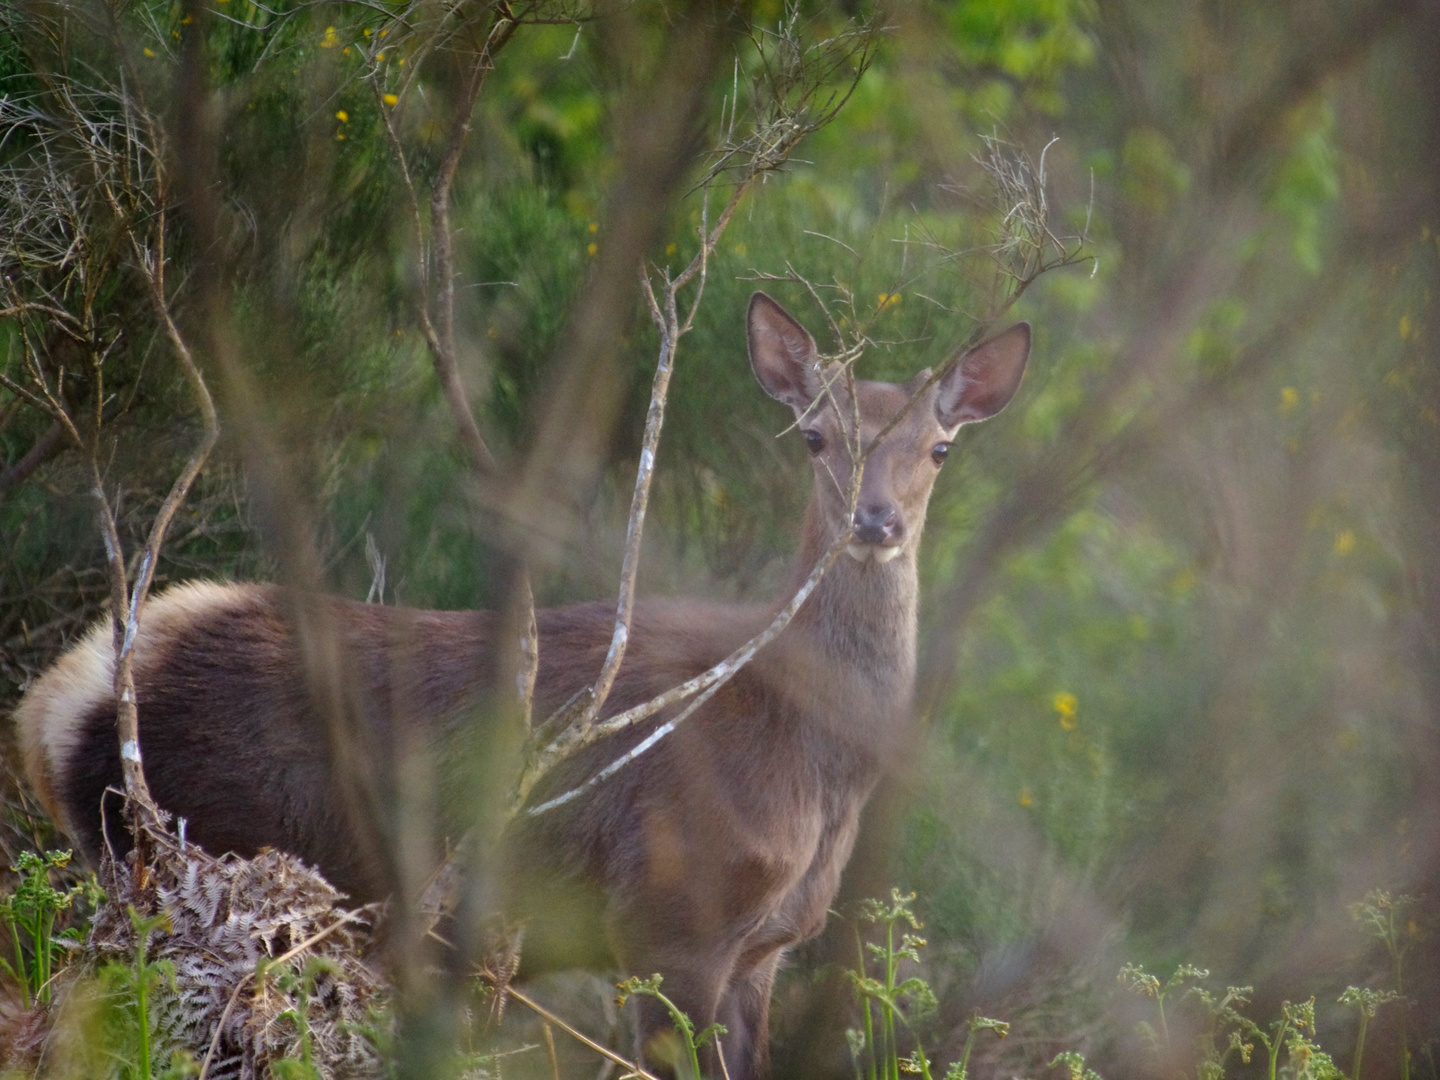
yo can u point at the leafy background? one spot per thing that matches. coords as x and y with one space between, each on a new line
1180 601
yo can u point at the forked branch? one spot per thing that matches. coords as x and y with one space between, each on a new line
797 91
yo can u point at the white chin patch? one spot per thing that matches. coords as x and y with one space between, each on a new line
864 552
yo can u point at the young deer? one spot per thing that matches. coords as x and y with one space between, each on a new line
707 856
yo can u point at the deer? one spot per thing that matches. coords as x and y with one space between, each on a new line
704 860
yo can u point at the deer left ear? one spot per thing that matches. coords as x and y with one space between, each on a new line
983 381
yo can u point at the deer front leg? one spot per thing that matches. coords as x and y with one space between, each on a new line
745 1012
693 976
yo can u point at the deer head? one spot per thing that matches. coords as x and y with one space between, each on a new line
899 473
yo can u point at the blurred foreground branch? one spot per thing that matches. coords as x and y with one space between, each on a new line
478 41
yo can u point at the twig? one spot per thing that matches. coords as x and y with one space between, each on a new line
706 684
33 458
545 1028
549 1017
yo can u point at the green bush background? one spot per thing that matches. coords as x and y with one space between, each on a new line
1195 707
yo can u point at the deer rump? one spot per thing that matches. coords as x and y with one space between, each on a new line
704 857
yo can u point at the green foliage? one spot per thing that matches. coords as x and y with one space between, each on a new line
1306 1060
1367 1003
888 994
1307 184
1138 981
1155 665
1074 1064
960 1068
1229 1033
684 1057
30 912
875 1048
129 1021
301 985
1393 921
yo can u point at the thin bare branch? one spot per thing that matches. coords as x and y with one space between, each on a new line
545 1014
96 187
785 111
705 684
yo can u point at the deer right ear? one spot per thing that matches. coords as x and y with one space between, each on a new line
782 354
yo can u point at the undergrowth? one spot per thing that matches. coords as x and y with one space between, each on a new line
1286 1044
30 913
897 1009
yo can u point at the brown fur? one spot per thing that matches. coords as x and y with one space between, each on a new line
705 858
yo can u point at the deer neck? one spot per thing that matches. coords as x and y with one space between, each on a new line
862 615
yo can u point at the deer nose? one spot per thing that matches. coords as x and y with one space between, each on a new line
877 524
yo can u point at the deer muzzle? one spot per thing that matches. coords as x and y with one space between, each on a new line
876 533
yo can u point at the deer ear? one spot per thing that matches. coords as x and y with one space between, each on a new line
983 381
782 354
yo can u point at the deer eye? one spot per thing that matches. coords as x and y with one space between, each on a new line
939 452
815 441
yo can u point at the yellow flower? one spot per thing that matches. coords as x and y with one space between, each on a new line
391 99
594 226
340 135
187 20
1065 704
1344 542
329 41
147 52
1289 398
669 249
887 300
1404 327
366 31
380 58
1026 799
343 116
346 50
740 249
591 249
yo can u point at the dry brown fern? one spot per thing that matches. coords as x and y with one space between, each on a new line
223 919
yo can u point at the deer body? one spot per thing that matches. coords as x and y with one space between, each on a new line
709 854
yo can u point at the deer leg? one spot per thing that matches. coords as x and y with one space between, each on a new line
745 1012
693 980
